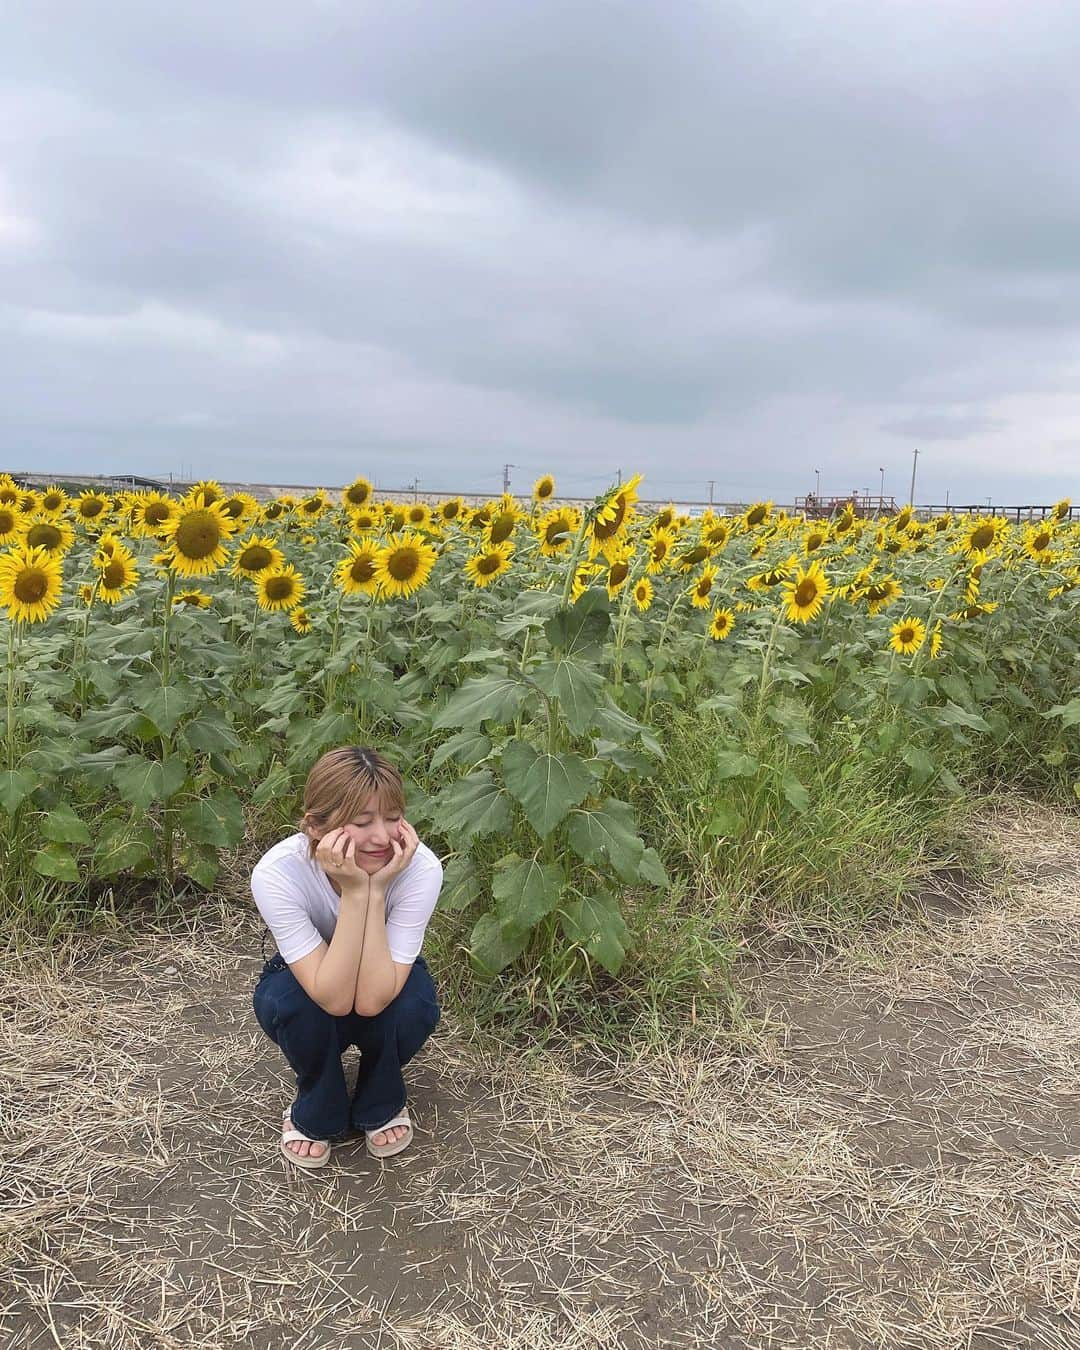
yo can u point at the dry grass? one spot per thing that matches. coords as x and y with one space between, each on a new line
886 1154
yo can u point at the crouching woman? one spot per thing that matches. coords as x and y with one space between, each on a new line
347 899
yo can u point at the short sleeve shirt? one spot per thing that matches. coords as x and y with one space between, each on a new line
300 906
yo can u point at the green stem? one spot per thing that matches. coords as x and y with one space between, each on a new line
681 595
766 661
579 539
11 694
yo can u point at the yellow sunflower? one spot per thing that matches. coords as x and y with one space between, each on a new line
974 611
118 576
404 565
908 636
762 581
643 593
11 523
817 536
279 588
196 537
357 573
314 506
618 571
1062 508
241 508
255 555
755 515
612 519
700 592
557 529
721 624
450 509
54 501
274 510
418 516
357 494
300 620
880 594
715 531
658 546
365 519
393 517
153 512
482 568
543 489
195 599
505 515
981 536
664 518
1039 542
92 509
48 532
203 493
935 641
805 593
31 581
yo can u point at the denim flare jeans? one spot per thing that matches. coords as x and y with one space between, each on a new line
313 1041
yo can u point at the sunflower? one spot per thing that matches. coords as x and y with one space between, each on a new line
404 565
393 517
418 516
504 518
643 593
935 583
449 509
690 557
482 568
11 523
107 545
582 579
700 592
30 502
908 636
47 532
1038 542
356 574
118 576
612 518
755 515
1072 580
543 489
255 555
980 536
196 537
881 594
721 624
195 599
279 588
300 620
774 576
974 611
1062 508
365 519
203 493
30 584
658 547
902 519
805 593
817 536
618 571
314 506
556 529
935 640
664 518
86 594
715 531
10 494
358 493
241 508
54 501
92 508
274 510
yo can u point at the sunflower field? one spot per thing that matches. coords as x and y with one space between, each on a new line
589 705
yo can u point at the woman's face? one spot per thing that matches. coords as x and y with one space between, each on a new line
371 831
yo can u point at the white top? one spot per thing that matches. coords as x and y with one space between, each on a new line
300 906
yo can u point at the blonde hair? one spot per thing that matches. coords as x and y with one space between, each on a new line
341 784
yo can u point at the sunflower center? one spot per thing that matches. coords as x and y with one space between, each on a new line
363 568
357 494
695 555
489 564
7 522
91 508
198 535
618 573
659 550
755 516
502 527
704 586
907 634
155 513
113 575
43 536
31 586
983 537
255 558
403 564
605 529
1042 541
279 588
557 532
806 592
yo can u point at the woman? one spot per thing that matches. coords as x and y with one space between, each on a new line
347 898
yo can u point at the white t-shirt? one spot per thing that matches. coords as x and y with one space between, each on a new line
300 906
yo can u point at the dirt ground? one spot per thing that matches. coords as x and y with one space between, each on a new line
886 1152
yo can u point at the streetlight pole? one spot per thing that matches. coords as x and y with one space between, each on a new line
914 466
506 476
817 483
712 484
881 494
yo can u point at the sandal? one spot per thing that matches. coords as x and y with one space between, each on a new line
288 1136
388 1150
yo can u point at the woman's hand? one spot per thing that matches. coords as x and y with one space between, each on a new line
404 847
335 854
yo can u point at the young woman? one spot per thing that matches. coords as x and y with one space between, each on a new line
347 899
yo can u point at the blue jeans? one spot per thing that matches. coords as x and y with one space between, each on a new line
313 1042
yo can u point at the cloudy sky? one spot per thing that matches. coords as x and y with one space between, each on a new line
739 242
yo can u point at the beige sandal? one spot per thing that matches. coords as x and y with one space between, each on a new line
388 1150
289 1136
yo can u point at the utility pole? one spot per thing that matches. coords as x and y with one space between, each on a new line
881 494
415 489
506 476
914 466
946 499
619 472
817 483
712 484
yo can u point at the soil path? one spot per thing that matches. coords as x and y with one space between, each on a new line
886 1153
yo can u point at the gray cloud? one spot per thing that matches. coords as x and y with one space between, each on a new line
425 240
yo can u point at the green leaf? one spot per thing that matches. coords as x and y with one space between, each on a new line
1068 712
217 819
211 730
473 806
609 836
121 847
307 739
492 949
952 715
919 762
61 824
610 720
200 862
164 704
652 870
487 698
581 629
525 890
15 786
726 823
466 747
596 925
55 861
277 783
142 781
575 687
795 792
547 786
461 885
734 764
101 724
